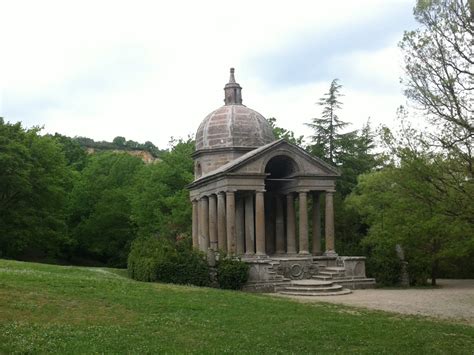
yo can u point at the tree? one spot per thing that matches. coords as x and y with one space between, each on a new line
286 134
119 141
161 204
100 208
439 67
75 155
326 137
402 206
34 181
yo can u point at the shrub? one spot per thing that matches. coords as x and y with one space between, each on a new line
232 273
158 259
385 266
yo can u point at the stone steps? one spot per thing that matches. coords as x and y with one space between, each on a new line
322 277
331 273
313 287
314 294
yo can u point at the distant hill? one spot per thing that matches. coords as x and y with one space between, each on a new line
147 151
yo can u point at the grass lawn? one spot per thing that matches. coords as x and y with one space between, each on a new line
46 308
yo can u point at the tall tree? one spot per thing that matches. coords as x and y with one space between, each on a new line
100 208
326 137
439 67
160 203
34 181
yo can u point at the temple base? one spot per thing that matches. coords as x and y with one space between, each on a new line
274 273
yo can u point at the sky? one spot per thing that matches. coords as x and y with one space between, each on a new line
150 70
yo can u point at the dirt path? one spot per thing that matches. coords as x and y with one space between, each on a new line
453 300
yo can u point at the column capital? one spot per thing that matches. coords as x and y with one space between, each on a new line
330 191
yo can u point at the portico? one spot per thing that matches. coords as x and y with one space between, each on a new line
258 198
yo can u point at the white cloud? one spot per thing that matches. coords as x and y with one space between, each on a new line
149 70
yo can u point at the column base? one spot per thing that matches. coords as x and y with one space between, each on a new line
261 255
330 253
304 253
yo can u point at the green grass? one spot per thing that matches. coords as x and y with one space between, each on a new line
46 308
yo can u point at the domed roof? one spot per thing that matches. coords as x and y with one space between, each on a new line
233 125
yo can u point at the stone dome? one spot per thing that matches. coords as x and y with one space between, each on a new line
233 125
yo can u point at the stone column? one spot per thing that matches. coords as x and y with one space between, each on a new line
200 225
269 223
290 224
316 224
213 222
204 222
249 226
260 223
221 221
329 224
195 225
230 226
279 226
239 226
303 226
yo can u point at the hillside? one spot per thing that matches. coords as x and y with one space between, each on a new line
147 151
57 309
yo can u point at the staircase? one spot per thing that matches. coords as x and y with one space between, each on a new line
337 274
313 288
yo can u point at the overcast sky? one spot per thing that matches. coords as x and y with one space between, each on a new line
149 70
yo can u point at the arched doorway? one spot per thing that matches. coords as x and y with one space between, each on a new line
280 171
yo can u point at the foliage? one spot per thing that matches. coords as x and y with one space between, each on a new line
282 133
157 259
232 274
76 157
100 208
53 309
401 206
119 143
326 138
160 199
439 70
34 180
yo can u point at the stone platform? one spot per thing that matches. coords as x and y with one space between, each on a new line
307 275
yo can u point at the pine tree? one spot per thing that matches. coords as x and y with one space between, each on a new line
326 137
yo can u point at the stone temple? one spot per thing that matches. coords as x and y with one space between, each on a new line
251 198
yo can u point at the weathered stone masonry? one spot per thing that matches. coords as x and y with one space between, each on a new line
246 188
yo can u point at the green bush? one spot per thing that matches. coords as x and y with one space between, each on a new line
158 259
232 273
385 266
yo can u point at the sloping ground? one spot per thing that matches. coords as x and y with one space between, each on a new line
56 309
453 300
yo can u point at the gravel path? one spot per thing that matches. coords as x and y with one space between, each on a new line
453 300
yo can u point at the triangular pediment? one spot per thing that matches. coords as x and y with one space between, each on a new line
255 162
